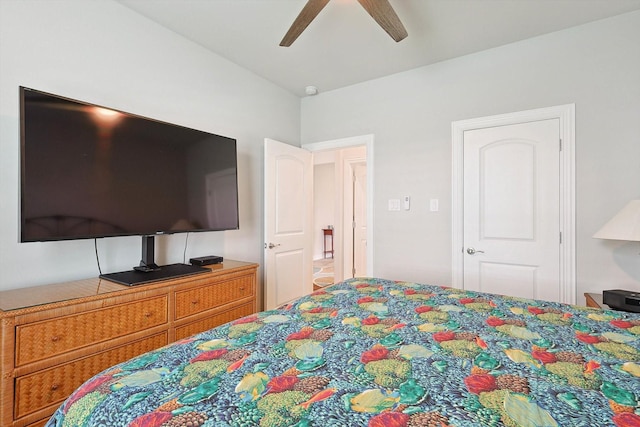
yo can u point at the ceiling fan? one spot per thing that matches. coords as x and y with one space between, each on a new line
380 10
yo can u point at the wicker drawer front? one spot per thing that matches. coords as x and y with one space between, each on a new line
197 300
44 388
213 321
38 341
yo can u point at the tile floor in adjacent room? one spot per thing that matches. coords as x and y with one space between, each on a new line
322 273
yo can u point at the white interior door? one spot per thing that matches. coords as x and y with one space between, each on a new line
360 220
512 209
288 210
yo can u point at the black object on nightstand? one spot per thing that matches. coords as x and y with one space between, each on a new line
622 300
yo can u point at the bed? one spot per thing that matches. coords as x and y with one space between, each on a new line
373 352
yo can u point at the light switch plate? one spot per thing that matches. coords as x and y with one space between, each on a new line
433 205
394 204
406 202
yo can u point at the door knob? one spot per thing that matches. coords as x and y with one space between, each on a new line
472 251
271 245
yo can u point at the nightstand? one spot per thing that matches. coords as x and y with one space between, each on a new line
595 301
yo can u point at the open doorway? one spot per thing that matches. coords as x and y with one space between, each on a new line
324 210
342 234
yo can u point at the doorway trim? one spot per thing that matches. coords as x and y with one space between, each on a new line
566 116
348 217
338 144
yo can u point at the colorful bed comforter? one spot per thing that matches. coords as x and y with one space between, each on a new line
371 352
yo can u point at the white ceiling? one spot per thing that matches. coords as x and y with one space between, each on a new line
344 45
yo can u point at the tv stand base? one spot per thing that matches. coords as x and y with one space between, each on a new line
144 275
147 268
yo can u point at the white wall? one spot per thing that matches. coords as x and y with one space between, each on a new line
596 66
101 52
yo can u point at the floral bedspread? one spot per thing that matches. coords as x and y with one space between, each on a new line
372 352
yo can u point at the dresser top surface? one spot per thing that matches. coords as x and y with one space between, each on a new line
23 298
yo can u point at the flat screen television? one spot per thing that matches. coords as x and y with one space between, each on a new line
92 172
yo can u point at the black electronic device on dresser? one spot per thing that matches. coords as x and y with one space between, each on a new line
620 299
206 260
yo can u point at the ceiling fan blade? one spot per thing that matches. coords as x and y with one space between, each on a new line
386 17
307 14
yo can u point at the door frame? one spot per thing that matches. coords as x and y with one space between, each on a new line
339 144
566 116
348 213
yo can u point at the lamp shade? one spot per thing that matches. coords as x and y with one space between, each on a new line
625 225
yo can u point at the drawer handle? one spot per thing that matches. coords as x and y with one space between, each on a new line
242 288
55 338
55 387
195 302
148 314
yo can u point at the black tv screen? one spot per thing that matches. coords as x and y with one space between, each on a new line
89 172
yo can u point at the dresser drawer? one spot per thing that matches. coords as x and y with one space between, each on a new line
200 299
51 386
215 320
42 340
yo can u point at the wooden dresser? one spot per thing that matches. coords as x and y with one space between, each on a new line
55 337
